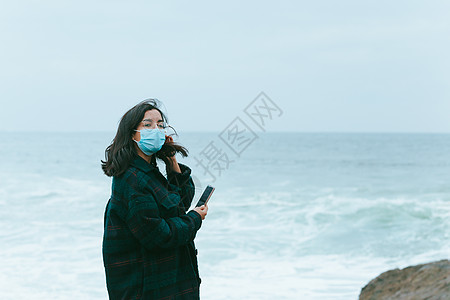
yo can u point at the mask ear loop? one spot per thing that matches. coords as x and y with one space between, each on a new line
136 131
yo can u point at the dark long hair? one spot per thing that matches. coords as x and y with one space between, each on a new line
122 150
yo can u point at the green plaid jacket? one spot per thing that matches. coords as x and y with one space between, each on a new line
148 248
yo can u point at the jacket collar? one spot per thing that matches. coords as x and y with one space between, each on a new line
143 165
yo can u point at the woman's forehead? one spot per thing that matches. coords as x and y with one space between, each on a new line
153 115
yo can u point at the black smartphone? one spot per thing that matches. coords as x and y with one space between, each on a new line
205 196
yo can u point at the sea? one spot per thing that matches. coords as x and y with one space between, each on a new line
294 215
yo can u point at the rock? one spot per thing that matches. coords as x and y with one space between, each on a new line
427 281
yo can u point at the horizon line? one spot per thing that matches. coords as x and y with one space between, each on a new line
258 131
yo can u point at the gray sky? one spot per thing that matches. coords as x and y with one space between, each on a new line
329 65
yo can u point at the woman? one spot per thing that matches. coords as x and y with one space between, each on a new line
148 248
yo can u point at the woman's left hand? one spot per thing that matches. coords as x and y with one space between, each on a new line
169 139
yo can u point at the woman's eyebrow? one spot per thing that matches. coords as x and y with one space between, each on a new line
149 120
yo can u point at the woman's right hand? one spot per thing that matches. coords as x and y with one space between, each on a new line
202 211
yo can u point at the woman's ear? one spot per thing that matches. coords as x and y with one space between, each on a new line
136 136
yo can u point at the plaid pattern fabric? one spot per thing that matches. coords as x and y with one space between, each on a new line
148 248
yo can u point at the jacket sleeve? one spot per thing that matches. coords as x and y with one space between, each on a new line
152 231
182 184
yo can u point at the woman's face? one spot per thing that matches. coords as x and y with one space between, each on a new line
152 119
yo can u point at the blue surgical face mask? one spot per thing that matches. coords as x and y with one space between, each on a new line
151 141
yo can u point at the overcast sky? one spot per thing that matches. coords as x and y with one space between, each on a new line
375 66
